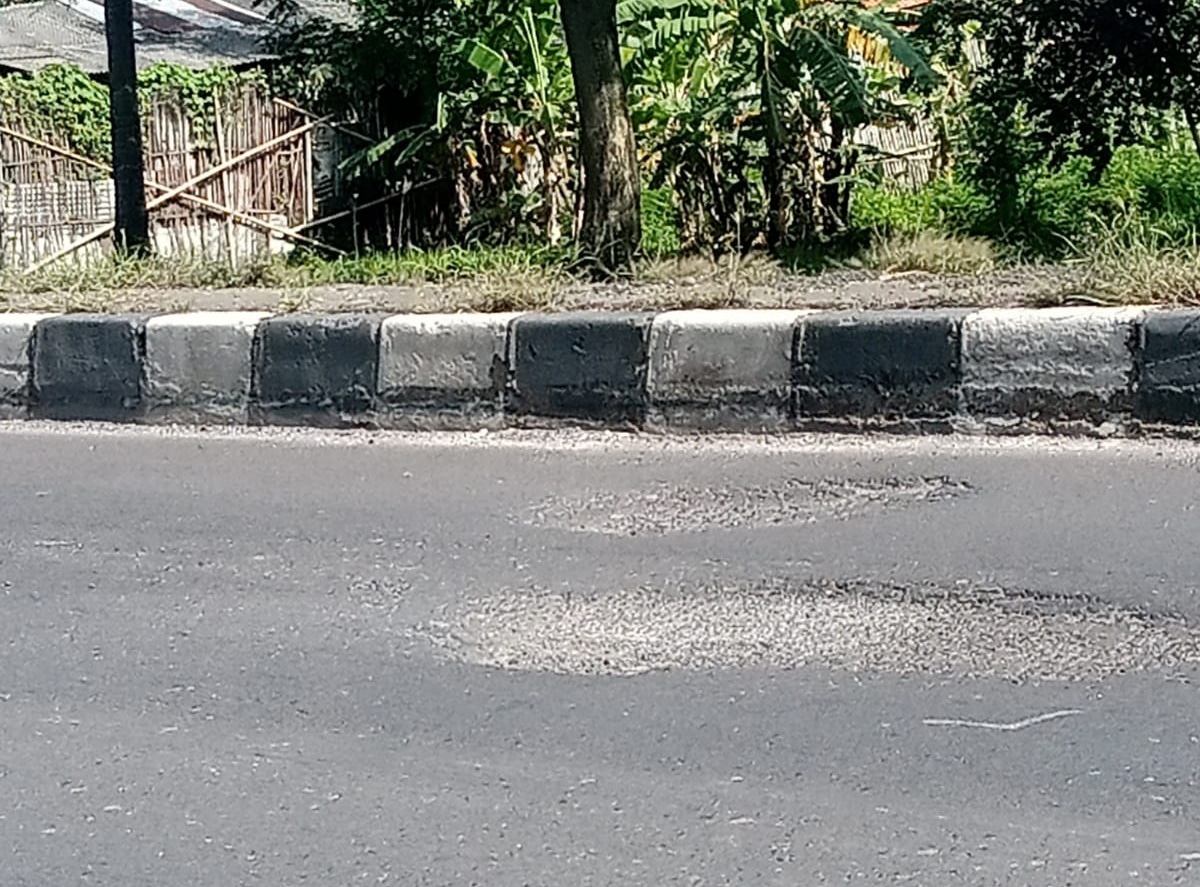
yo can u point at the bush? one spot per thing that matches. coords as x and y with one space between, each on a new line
1058 212
948 205
1160 187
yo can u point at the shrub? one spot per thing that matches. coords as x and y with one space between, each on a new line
948 205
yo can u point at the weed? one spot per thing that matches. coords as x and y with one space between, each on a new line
1132 263
932 252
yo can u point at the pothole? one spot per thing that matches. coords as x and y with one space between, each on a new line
666 509
1017 635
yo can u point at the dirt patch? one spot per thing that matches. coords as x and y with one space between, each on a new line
980 632
666 509
674 288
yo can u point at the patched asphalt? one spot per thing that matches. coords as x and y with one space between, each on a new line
901 629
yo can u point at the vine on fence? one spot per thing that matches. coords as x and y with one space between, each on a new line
61 103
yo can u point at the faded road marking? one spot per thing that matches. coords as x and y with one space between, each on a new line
1009 728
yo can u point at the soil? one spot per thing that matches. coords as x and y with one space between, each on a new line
839 289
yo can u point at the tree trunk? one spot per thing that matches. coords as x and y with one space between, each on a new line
611 231
132 232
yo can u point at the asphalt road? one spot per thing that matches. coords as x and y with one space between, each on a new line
289 658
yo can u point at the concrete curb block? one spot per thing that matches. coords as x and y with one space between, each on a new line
443 370
199 367
721 370
315 370
1168 389
16 355
1079 370
1053 365
892 368
88 366
587 367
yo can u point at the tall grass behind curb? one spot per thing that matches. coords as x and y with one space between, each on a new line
1134 262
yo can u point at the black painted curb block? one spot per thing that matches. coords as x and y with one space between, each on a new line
587 366
1168 383
87 367
315 370
887 366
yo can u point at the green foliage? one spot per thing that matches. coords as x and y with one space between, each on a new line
471 100
60 103
476 98
1160 186
1064 87
1150 194
747 109
947 204
197 89
66 106
660 223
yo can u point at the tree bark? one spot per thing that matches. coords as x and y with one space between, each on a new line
132 232
612 227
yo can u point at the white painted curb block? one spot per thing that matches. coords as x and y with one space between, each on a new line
16 331
1070 363
725 369
199 367
442 370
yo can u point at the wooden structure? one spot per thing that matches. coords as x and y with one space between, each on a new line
236 184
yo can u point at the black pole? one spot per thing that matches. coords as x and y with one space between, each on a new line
132 232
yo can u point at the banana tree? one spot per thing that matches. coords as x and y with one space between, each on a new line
783 81
523 59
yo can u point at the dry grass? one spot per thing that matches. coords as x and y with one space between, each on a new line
706 282
113 273
932 253
734 270
1131 263
1137 275
530 291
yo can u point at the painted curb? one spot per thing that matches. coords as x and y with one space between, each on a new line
16 343
1077 370
443 371
1056 364
199 367
586 367
315 370
721 370
1168 388
88 366
891 368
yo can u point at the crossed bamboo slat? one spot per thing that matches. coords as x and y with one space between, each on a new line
182 192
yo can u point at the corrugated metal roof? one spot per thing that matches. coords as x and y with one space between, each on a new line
197 33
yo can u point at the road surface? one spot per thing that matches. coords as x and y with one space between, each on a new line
288 657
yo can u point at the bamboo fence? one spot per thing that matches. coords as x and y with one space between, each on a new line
232 185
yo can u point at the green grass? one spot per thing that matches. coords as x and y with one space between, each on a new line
492 270
113 272
1058 214
416 267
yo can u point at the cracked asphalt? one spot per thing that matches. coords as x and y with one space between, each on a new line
285 657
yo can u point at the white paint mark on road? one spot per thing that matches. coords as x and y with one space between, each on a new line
1190 857
1008 728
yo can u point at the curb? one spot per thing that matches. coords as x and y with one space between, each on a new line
1080 370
